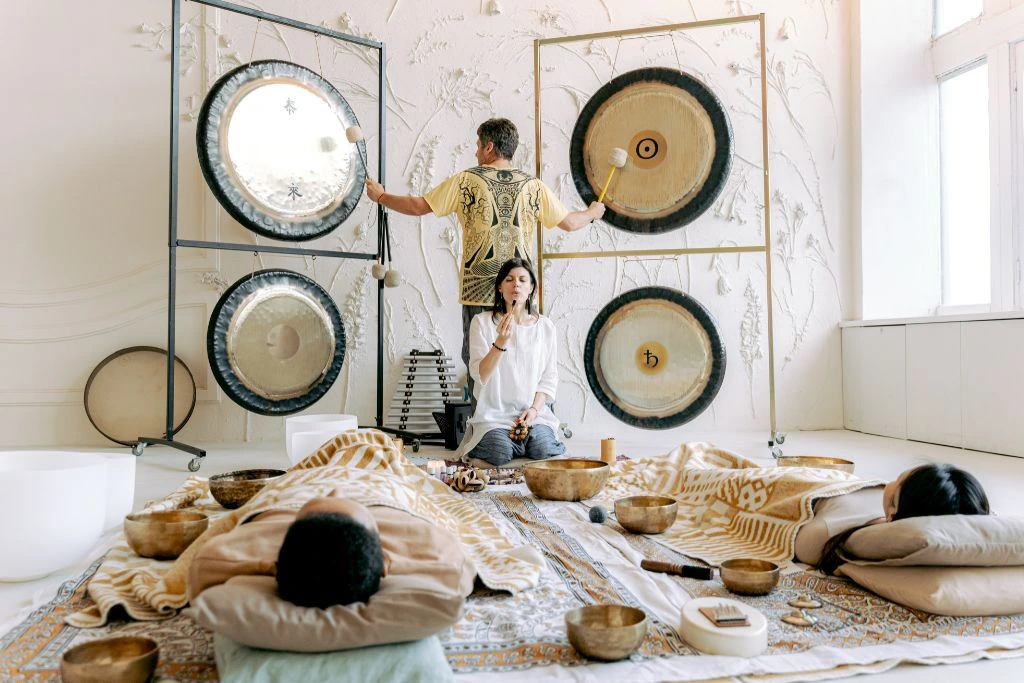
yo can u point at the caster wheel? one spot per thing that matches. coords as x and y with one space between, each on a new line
138 448
780 438
776 452
194 464
416 446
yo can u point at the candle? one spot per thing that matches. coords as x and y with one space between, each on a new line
608 450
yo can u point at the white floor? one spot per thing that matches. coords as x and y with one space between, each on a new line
161 469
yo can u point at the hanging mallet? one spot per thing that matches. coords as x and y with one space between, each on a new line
617 159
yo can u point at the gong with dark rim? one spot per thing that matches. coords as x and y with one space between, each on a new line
272 145
276 342
654 358
678 143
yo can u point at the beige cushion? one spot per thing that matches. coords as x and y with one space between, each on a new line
248 610
949 540
953 591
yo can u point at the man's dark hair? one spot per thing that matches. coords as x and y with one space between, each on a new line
502 133
329 559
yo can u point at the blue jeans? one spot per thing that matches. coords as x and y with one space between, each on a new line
498 448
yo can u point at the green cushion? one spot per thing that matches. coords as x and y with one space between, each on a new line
419 661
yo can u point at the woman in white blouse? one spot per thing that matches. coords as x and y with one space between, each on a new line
513 359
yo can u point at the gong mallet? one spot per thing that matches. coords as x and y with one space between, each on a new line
688 571
354 134
617 159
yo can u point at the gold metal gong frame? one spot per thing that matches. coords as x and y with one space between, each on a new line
758 248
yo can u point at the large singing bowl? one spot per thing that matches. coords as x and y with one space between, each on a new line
52 505
566 479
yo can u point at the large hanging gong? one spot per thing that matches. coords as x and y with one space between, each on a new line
272 147
678 144
654 358
276 342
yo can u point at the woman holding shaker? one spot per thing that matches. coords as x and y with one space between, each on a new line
513 359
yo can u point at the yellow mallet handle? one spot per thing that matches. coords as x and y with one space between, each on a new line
605 188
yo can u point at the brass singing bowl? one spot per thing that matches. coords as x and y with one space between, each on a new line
646 514
127 659
163 535
606 632
235 489
815 461
567 479
749 577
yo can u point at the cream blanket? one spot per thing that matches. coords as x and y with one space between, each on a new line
729 506
366 466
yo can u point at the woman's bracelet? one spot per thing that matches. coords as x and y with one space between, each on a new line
498 347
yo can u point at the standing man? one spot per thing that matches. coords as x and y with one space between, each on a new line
498 207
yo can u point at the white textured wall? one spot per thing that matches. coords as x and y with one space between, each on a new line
85 173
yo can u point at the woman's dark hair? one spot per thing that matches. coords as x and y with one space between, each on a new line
328 558
927 491
507 267
502 133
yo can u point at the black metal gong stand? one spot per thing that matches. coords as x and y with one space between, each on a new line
172 218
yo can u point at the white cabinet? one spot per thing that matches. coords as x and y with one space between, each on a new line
874 380
956 383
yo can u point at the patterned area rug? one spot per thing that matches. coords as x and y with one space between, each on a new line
505 633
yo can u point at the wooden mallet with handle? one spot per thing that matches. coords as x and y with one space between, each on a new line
617 159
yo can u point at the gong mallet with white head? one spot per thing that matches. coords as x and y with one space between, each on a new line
354 134
617 159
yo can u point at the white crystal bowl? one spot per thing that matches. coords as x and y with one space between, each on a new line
53 505
315 430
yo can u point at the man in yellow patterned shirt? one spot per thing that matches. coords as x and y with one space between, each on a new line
498 207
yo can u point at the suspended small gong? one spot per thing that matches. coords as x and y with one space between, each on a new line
272 147
276 342
678 144
654 358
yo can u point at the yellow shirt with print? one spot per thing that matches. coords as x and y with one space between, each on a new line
498 209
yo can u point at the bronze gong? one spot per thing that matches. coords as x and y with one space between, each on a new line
276 342
654 358
272 146
678 144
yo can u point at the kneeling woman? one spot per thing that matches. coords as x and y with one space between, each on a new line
513 359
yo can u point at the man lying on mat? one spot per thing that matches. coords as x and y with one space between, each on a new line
334 551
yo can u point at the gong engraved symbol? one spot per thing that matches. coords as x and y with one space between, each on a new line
647 148
651 359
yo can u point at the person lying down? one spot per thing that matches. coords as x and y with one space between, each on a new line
930 490
335 551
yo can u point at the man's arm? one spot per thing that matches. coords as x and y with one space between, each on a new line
578 219
408 204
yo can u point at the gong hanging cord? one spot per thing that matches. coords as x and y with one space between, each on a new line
252 50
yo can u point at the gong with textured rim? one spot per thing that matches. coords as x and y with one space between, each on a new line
272 146
678 144
276 342
654 358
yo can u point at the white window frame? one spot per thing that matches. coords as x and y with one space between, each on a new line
997 37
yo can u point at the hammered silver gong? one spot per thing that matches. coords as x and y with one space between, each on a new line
272 146
276 342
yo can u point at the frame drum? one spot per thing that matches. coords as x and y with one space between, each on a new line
276 342
678 144
126 395
272 147
654 358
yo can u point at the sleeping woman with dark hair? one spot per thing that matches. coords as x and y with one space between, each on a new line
513 358
925 491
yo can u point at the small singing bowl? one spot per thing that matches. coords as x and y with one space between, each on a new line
606 632
235 489
815 461
646 514
163 535
125 660
749 577
569 479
